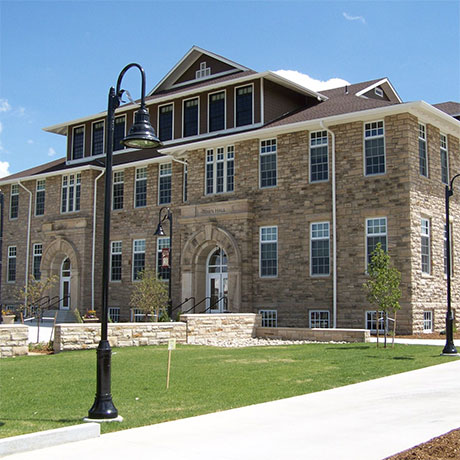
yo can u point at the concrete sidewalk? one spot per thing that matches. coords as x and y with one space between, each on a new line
365 421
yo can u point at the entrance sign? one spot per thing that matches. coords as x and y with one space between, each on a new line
165 258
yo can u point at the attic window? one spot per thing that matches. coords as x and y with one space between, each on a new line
378 92
203 72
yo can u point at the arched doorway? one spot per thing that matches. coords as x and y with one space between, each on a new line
65 283
217 281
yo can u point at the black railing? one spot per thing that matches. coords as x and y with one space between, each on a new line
183 303
213 304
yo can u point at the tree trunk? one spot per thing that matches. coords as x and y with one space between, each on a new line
377 326
394 331
385 329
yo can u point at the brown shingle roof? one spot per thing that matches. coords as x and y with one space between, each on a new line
451 108
41 169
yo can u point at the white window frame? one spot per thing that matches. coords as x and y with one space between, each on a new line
319 137
378 92
76 177
37 253
377 136
103 136
269 318
373 235
40 186
319 320
14 193
428 321
137 315
422 136
164 170
73 142
322 238
225 152
183 116
444 148
114 314
12 254
138 251
116 248
158 119
235 93
425 233
261 243
261 154
118 178
137 179
371 321
224 91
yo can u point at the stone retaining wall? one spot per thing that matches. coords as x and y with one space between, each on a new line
85 336
13 340
319 335
225 326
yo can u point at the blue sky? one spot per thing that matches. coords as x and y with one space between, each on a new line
58 59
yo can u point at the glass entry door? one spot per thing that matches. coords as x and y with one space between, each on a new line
217 282
65 284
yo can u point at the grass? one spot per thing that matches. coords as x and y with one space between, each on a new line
43 392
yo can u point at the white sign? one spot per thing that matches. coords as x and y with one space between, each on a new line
171 344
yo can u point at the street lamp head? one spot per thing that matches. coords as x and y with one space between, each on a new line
159 231
141 134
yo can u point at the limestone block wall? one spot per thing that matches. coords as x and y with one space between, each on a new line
222 326
13 340
319 335
86 336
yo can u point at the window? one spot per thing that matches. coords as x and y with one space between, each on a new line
427 321
203 72
268 162
319 249
319 318
78 142
371 321
115 261
319 159
243 104
269 318
165 122
162 249
114 314
138 258
374 148
444 160
119 132
137 315
40 198
11 275
378 92
216 120
191 117
185 191
268 251
422 155
37 260
118 190
98 138
376 232
14 201
425 245
140 189
220 170
71 191
164 195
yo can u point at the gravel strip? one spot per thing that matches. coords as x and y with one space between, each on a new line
250 342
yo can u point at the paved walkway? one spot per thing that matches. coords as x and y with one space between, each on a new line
365 421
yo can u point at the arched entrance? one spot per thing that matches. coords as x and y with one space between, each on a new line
65 280
217 281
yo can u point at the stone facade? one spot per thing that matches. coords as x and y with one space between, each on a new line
13 340
314 335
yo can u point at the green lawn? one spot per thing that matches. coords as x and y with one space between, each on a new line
44 392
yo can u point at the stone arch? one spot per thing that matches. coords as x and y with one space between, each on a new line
193 264
52 258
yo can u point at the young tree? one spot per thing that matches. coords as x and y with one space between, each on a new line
150 295
33 293
383 287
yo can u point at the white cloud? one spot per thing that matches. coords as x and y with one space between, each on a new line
349 17
51 152
311 83
30 141
4 169
4 105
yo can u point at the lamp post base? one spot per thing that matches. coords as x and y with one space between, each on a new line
103 420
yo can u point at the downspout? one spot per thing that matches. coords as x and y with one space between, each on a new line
27 243
334 230
93 256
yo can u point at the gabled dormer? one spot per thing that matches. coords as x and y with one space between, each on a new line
381 90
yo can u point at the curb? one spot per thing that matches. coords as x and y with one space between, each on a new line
48 438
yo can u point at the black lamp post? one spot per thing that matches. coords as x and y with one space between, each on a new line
160 232
141 136
449 348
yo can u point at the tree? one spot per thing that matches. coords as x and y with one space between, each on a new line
150 295
33 293
383 288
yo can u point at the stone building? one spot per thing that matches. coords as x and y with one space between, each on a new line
278 196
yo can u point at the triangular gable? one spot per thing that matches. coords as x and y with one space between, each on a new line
381 90
196 66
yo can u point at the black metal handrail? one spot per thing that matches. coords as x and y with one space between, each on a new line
195 305
183 303
224 299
